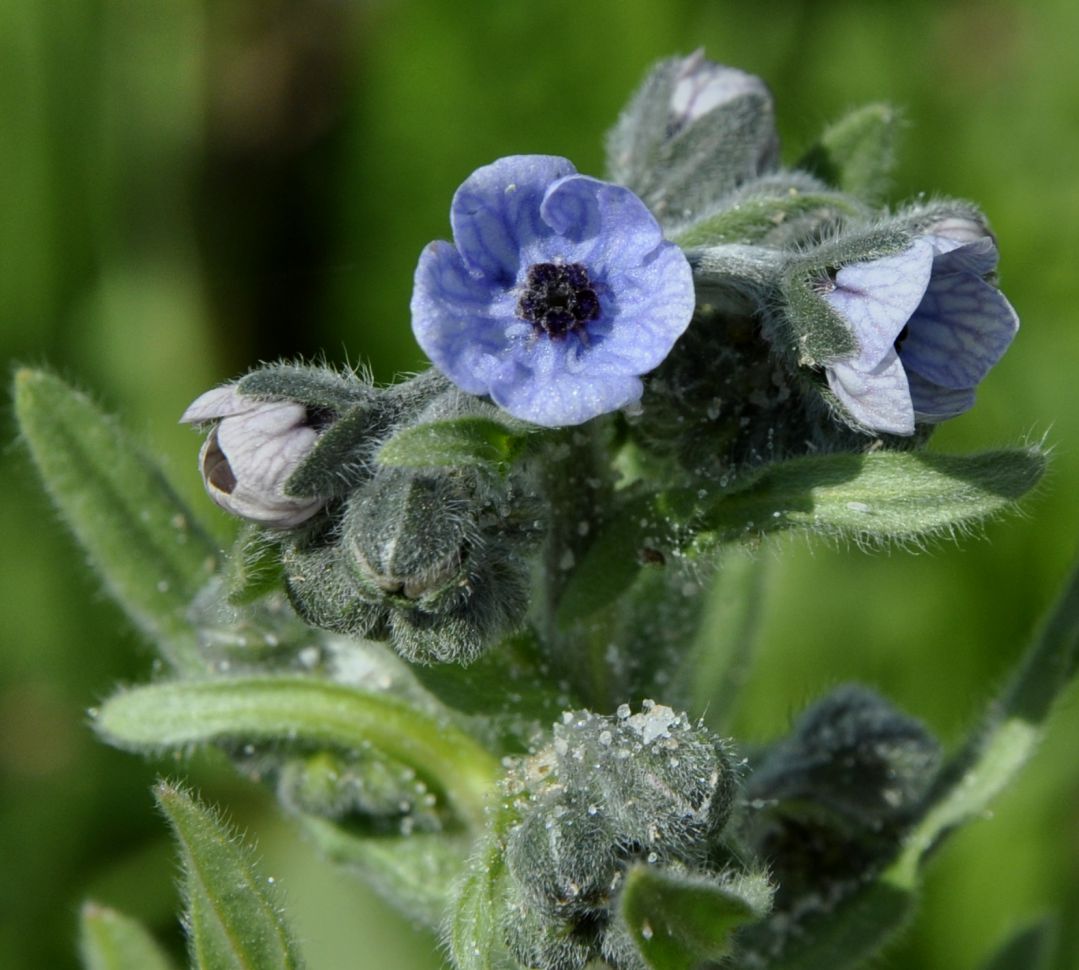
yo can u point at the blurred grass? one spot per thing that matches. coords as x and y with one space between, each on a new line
187 188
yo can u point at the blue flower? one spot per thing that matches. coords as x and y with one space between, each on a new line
558 293
929 326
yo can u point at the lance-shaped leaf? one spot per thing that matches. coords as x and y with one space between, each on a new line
467 442
857 153
309 713
882 496
139 535
109 940
233 917
679 920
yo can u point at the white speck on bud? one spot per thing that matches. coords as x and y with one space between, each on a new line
251 451
702 86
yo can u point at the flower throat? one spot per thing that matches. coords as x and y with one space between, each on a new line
558 298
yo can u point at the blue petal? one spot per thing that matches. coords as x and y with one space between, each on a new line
610 226
653 306
496 211
459 320
959 331
979 256
556 395
933 403
877 298
877 398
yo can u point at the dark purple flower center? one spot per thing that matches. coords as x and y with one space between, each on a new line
558 298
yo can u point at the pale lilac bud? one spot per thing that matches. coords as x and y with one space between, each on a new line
960 229
253 448
702 86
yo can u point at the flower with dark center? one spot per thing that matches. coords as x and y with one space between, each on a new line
558 292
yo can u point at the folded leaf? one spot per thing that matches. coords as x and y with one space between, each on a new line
139 535
233 916
1029 949
309 713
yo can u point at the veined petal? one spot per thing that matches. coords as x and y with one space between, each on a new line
608 222
458 319
960 330
877 298
878 398
933 403
496 211
565 398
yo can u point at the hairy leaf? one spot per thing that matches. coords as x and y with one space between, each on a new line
469 442
303 712
139 535
857 153
233 918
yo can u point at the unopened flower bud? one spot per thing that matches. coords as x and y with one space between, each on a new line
701 86
252 449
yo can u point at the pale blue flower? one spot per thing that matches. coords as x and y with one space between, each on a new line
557 294
929 326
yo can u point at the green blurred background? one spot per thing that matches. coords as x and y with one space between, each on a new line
188 188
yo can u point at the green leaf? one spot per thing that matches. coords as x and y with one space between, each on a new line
469 442
415 872
843 937
753 219
304 712
138 534
254 566
858 152
473 935
1029 949
678 920
710 672
233 917
643 525
109 940
886 495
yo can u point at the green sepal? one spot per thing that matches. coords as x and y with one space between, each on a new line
415 873
314 387
857 153
810 332
109 940
341 457
876 497
477 442
680 919
254 568
233 916
143 540
1029 949
306 714
755 218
